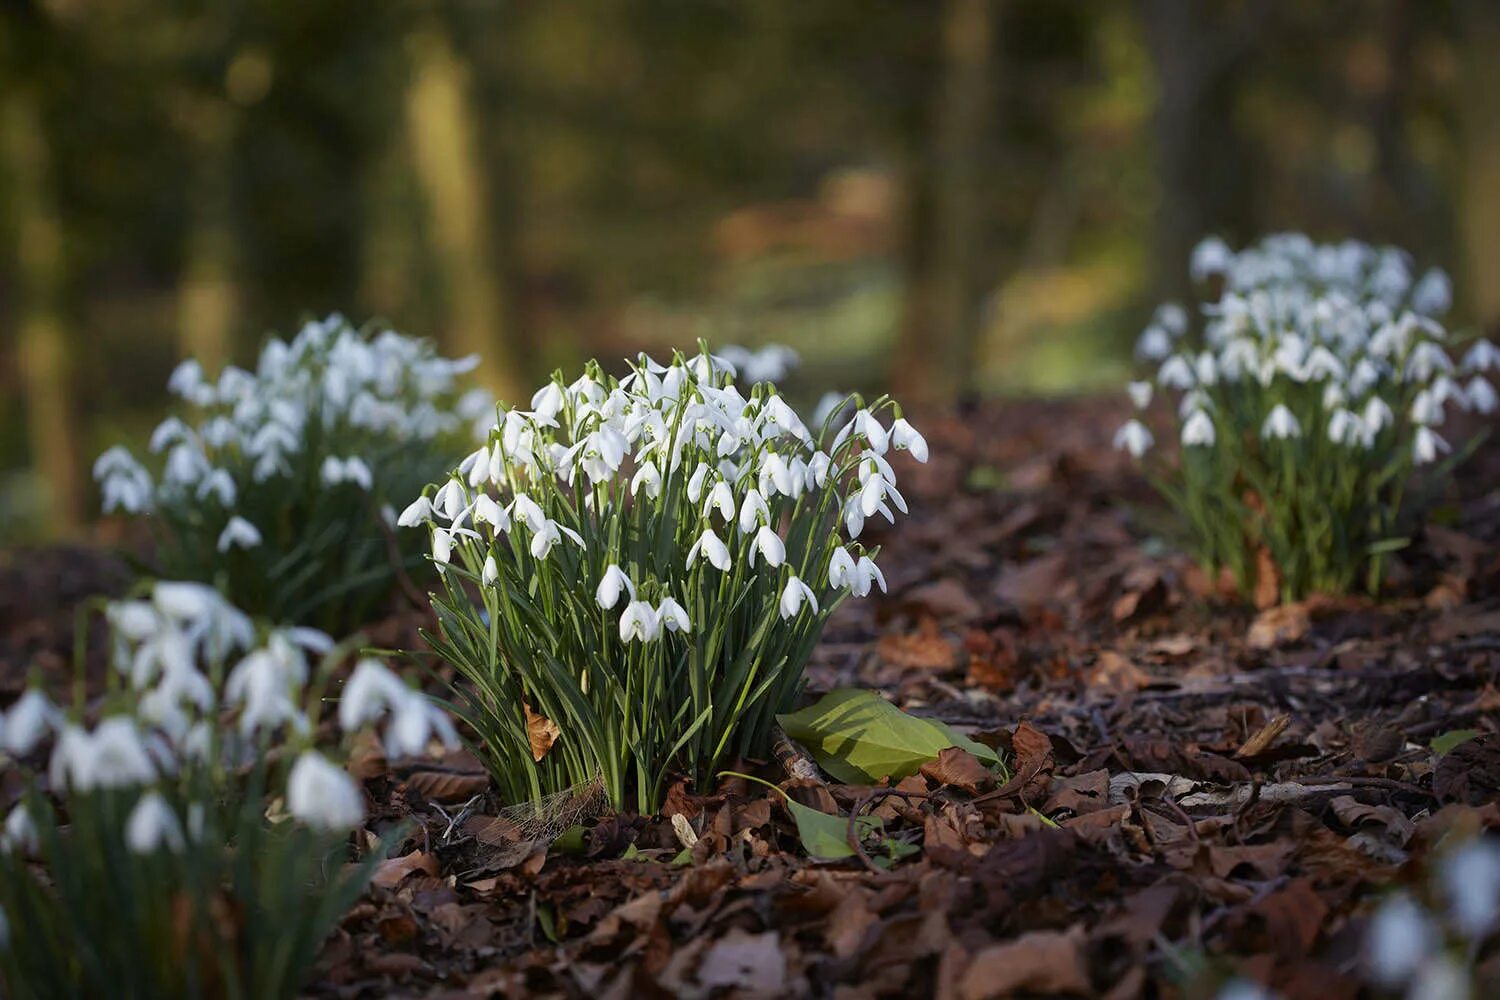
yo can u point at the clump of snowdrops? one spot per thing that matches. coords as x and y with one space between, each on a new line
277 485
141 859
1418 950
1312 387
636 570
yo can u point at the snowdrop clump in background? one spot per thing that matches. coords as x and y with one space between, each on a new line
164 798
274 483
1313 383
653 558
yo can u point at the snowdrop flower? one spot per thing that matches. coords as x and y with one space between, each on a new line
1198 430
611 586
1427 445
19 832
648 478
415 722
1176 372
1471 882
866 575
370 690
528 512
1243 989
322 795
346 470
1400 938
1441 977
262 684
1280 424
1344 427
769 545
712 548
29 720
697 482
753 510
238 533
547 403
219 484
868 427
1481 395
1426 408
1433 295
1140 394
720 500
1480 357
543 541
490 573
673 616
1377 415
1134 437
152 825
775 476
873 493
793 596
112 756
1425 360
639 623
416 513
1153 344
841 570
442 546
1210 257
905 437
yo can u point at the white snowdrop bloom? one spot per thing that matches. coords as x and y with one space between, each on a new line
1480 357
113 756
19 832
697 482
841 569
1140 394
487 511
793 596
1134 437
1441 977
28 722
1433 294
603 452
1153 344
417 513
1172 317
1243 989
775 476
769 545
867 574
547 403
1377 415
219 485
721 500
528 512
1206 369
1445 390
1321 364
371 689
543 541
1198 430
1344 427
753 511
238 533
673 616
1400 938
818 468
442 546
611 586
1481 395
1176 373
262 685
415 722
1471 884
322 795
905 437
1280 424
647 478
639 623
1334 396
169 432
867 426
1427 445
1426 409
490 573
712 549
186 381
1210 257
1426 360
152 826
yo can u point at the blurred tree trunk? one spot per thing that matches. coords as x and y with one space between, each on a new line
1203 168
388 255
208 298
1479 197
43 339
445 152
938 351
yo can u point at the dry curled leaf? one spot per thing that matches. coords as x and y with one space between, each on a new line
541 731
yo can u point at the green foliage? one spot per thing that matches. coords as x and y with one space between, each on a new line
661 559
860 738
277 486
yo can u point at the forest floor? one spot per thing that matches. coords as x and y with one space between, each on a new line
1197 789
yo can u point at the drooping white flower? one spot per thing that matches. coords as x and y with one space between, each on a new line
1134 437
1140 394
672 616
1481 357
544 540
322 795
417 513
712 549
547 403
238 533
19 832
442 546
841 569
416 721
1154 344
371 689
1481 395
753 510
769 545
1425 360
1345 427
611 585
793 596
152 826
639 623
1280 424
647 478
721 500
1471 883
1198 430
1377 415
1210 257
1426 409
113 756
1433 294
1176 372
490 573
1400 938
867 574
1427 445
905 437
697 482
29 720
868 426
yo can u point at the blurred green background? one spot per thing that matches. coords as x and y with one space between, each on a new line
954 197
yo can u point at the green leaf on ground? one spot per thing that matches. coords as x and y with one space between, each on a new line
1446 742
824 836
860 738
